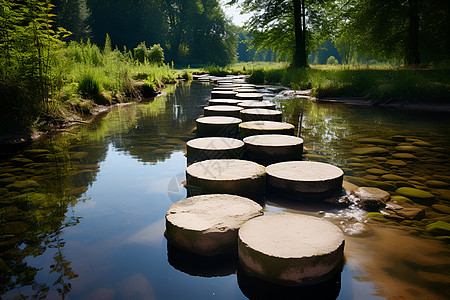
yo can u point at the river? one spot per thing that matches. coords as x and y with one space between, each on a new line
82 211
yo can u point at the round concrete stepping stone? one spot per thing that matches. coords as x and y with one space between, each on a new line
224 102
265 127
225 88
226 176
223 94
256 104
290 249
223 110
249 96
273 147
304 177
209 224
218 126
214 148
245 90
261 114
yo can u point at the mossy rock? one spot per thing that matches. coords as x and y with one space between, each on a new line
396 162
21 161
372 151
444 194
443 238
35 152
45 157
23 185
392 177
31 197
379 158
355 160
370 177
375 141
422 144
7 180
405 156
439 228
377 217
436 184
401 199
399 184
408 148
376 171
440 208
399 138
416 195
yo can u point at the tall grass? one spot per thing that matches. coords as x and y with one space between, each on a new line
379 85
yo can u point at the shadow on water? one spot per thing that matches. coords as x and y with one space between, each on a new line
255 288
204 266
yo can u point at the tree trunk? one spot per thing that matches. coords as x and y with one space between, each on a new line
412 47
299 28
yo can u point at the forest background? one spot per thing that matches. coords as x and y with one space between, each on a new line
60 57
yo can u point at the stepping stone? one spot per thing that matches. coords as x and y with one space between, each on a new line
223 110
290 249
304 177
256 104
226 176
261 114
273 147
225 88
218 126
208 224
249 96
223 94
224 102
245 90
214 148
265 127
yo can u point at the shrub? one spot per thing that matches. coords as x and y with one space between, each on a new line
89 87
332 61
140 52
156 54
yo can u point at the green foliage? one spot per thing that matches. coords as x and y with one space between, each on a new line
89 87
156 54
141 52
332 61
28 43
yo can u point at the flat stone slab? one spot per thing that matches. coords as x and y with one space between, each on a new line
249 96
223 110
265 127
218 126
256 104
273 147
224 102
304 177
226 176
290 249
209 224
245 90
214 148
229 87
260 114
223 94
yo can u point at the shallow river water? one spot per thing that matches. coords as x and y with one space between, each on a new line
82 211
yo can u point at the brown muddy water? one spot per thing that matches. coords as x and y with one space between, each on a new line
82 212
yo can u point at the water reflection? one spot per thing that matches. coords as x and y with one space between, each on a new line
82 212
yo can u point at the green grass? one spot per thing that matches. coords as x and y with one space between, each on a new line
376 83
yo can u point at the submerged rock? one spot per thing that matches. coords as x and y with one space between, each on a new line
372 151
416 195
438 228
436 184
441 208
23 185
372 199
377 217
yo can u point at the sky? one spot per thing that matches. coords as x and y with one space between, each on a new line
233 12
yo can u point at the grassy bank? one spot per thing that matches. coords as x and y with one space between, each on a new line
80 77
377 84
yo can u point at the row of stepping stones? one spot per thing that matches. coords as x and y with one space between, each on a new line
219 216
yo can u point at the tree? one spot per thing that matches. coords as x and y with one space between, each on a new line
290 27
399 29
